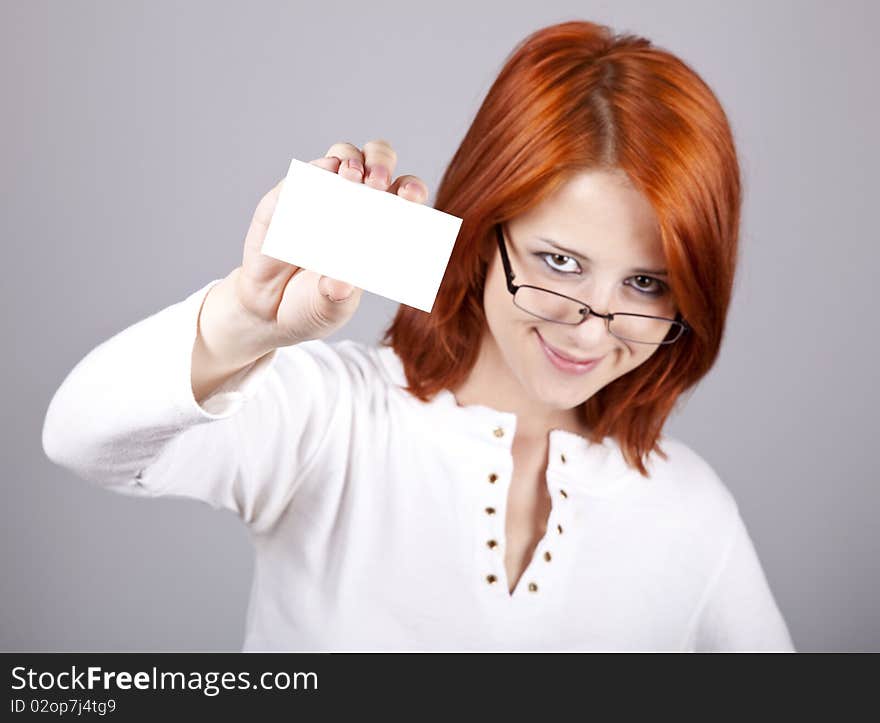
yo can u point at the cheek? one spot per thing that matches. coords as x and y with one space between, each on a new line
623 362
503 317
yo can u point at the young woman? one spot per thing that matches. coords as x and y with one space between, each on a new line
489 477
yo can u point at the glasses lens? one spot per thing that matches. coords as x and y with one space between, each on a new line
642 329
548 306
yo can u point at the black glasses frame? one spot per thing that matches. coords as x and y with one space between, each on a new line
586 311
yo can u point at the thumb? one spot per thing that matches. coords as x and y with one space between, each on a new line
335 290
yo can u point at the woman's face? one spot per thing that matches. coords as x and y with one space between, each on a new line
608 230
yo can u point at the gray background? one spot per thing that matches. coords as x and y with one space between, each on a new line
137 139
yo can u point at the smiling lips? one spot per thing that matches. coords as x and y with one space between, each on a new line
564 356
565 363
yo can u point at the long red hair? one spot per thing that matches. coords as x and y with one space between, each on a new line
573 97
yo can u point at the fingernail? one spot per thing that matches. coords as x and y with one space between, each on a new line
356 165
378 173
412 188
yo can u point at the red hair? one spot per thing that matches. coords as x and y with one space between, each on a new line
573 97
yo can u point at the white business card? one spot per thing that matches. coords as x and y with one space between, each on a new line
374 239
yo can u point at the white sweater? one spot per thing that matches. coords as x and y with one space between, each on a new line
372 512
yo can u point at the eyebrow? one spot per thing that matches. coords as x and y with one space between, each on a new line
575 254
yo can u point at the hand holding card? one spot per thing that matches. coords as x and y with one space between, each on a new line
268 302
283 287
368 237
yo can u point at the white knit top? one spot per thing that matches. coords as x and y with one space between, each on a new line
378 520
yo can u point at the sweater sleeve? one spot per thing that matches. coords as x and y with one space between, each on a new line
125 418
738 612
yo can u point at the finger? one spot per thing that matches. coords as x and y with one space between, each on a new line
380 160
334 289
412 188
352 166
256 232
328 163
266 269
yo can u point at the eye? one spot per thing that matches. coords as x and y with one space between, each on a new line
659 287
646 286
555 258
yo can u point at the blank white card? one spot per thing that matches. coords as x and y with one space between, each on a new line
349 231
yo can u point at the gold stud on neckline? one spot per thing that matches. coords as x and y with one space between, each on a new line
490 510
499 431
547 556
563 493
492 544
533 587
491 579
493 477
562 457
559 528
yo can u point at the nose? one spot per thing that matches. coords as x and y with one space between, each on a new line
592 335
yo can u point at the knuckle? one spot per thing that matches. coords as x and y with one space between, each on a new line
380 146
419 186
321 313
342 149
332 164
265 207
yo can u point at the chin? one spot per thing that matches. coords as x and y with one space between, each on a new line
551 392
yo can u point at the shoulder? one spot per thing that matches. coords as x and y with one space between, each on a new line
686 480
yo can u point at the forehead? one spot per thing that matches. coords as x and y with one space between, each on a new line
600 213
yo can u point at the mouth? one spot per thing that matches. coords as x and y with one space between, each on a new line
563 355
564 362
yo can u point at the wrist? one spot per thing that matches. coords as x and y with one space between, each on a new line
228 337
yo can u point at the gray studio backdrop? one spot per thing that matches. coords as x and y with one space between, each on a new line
137 138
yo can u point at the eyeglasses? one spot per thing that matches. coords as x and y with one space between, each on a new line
556 307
